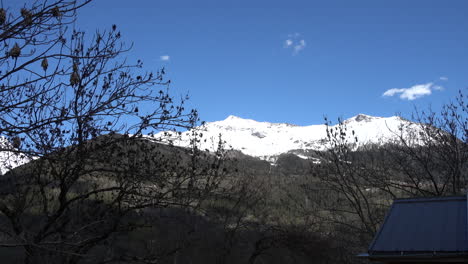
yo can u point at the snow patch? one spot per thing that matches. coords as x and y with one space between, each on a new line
9 159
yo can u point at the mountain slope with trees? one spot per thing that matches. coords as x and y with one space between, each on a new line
99 187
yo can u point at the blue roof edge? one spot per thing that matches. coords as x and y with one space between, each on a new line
381 227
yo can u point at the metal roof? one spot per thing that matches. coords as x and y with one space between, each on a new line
423 225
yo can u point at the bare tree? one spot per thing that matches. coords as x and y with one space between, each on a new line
78 111
437 163
428 157
349 198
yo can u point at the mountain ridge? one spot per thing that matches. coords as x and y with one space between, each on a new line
267 140
263 140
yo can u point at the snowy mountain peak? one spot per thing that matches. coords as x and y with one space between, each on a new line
234 121
363 117
266 140
233 118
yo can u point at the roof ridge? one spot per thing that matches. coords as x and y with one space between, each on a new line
430 199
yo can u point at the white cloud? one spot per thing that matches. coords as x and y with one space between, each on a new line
299 46
443 78
414 92
296 42
438 88
165 57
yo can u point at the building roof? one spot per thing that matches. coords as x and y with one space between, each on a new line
422 226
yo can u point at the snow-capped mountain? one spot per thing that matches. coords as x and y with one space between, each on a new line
263 139
266 140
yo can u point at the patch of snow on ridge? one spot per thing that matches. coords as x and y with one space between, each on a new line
8 158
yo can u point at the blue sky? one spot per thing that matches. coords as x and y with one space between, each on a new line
296 61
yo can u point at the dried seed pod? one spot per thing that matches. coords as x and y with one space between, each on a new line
45 64
56 12
27 16
15 52
74 78
63 112
2 16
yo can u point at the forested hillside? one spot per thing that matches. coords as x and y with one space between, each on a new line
101 163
